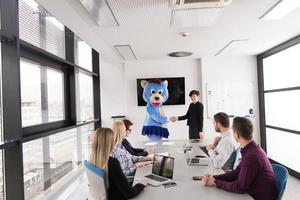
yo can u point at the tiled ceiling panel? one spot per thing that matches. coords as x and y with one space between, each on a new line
141 12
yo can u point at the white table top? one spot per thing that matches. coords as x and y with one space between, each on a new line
186 188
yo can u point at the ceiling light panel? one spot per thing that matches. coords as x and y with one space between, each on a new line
195 17
125 52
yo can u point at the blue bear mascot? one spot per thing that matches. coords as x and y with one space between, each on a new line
155 94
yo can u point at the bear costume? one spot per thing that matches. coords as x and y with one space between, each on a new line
155 94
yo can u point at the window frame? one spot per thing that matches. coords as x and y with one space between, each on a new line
12 49
260 74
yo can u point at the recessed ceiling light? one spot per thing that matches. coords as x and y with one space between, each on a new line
280 9
180 54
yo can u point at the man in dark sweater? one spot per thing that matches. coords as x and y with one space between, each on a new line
194 117
134 151
254 175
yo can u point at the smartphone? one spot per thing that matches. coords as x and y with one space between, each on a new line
197 178
169 184
200 156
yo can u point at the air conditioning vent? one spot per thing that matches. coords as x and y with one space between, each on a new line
188 4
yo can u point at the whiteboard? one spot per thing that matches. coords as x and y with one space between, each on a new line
233 98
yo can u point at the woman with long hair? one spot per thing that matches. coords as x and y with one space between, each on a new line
103 143
129 163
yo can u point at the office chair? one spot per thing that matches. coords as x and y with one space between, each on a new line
281 176
96 179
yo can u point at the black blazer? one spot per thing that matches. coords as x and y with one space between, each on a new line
132 150
194 116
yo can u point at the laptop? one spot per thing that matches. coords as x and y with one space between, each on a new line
200 159
203 148
162 170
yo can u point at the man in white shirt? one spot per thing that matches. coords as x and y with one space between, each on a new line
223 146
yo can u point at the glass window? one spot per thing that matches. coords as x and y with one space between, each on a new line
1 176
30 93
63 154
282 70
1 135
83 54
287 155
282 109
39 28
85 93
55 95
86 134
33 164
42 94
50 160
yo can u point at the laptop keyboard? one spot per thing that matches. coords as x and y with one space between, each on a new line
194 160
156 178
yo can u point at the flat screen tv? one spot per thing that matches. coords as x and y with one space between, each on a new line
176 88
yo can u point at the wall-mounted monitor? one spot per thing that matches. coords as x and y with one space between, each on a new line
176 88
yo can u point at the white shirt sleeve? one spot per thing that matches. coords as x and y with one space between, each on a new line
222 152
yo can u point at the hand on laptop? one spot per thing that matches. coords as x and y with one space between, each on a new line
149 157
139 164
142 164
151 150
144 182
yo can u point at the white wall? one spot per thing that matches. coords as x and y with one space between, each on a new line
118 88
230 69
112 91
190 69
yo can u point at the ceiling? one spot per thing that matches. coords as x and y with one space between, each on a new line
145 26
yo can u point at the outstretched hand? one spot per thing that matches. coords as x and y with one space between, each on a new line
173 118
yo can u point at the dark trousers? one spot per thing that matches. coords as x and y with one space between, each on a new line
193 133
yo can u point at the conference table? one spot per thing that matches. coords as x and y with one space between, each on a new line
186 187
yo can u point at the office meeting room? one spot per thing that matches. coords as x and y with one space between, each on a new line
149 99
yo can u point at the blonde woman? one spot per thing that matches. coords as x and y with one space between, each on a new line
128 162
118 186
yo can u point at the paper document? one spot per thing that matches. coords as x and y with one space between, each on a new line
150 143
167 143
163 154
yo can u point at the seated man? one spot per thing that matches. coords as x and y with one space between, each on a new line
131 149
254 174
221 150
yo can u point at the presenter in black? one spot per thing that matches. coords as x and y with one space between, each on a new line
194 117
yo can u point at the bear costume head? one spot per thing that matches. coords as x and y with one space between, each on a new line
155 91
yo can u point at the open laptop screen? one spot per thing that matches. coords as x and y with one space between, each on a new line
163 166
